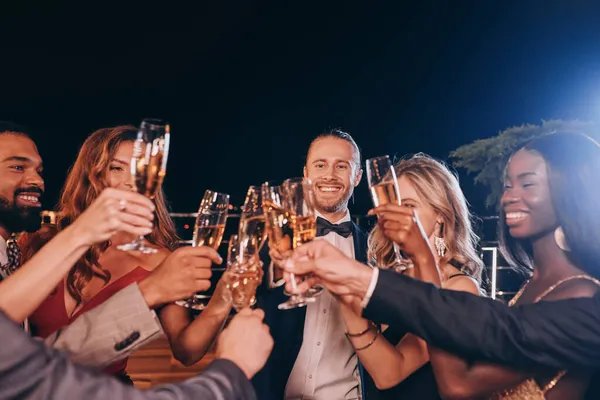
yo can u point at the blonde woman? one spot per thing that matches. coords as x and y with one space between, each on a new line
397 362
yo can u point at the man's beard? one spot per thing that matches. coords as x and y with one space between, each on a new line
19 219
330 206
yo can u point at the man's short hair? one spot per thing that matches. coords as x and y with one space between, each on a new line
340 134
7 126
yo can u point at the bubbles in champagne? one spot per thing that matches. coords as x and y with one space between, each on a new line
253 228
148 167
305 229
209 235
279 227
384 193
242 288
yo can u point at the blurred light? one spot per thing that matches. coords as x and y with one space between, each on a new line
494 266
186 226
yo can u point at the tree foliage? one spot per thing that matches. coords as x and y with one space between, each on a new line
487 158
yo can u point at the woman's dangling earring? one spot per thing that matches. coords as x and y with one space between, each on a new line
439 242
560 239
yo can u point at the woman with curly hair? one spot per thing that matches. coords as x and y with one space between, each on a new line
103 161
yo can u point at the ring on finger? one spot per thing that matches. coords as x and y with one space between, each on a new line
122 205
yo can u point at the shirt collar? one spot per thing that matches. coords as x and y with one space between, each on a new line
3 248
345 218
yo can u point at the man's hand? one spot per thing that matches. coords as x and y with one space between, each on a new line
185 272
246 341
330 267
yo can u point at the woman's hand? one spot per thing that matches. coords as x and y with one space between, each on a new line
279 257
221 298
114 211
278 260
401 225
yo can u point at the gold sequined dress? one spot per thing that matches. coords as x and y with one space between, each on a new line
530 390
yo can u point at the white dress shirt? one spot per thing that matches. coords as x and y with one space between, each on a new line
327 365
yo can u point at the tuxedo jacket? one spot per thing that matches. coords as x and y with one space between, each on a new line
109 332
561 334
287 329
31 370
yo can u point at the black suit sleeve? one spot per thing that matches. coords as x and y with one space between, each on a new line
561 334
30 370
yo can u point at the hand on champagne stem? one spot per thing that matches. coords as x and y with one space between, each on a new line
401 224
292 282
320 262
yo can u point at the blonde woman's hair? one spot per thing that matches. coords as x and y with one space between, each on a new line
439 187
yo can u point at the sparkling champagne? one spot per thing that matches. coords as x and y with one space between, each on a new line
242 287
384 193
278 224
149 165
305 229
209 235
254 228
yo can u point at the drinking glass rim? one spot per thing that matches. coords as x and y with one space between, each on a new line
386 157
155 122
213 193
303 180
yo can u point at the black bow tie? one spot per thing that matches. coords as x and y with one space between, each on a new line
324 227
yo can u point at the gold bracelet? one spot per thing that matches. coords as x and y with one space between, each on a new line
370 343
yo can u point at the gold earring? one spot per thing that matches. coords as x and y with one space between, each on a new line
560 239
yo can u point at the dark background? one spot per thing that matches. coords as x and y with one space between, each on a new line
246 85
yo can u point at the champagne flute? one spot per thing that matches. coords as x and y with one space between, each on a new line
149 167
211 220
384 189
208 231
244 271
277 225
252 221
300 205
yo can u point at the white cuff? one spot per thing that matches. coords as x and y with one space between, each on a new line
374 277
271 277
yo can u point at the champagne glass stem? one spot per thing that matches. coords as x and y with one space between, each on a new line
399 257
293 282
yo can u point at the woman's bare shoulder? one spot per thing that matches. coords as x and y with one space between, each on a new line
457 280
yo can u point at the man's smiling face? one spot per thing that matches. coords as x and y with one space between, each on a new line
21 184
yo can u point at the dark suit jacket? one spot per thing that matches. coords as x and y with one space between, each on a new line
30 370
559 334
287 329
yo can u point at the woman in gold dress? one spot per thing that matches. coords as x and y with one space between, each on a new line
550 187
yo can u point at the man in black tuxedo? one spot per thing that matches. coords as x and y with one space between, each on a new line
311 357
560 334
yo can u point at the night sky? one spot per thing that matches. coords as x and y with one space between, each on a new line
246 85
